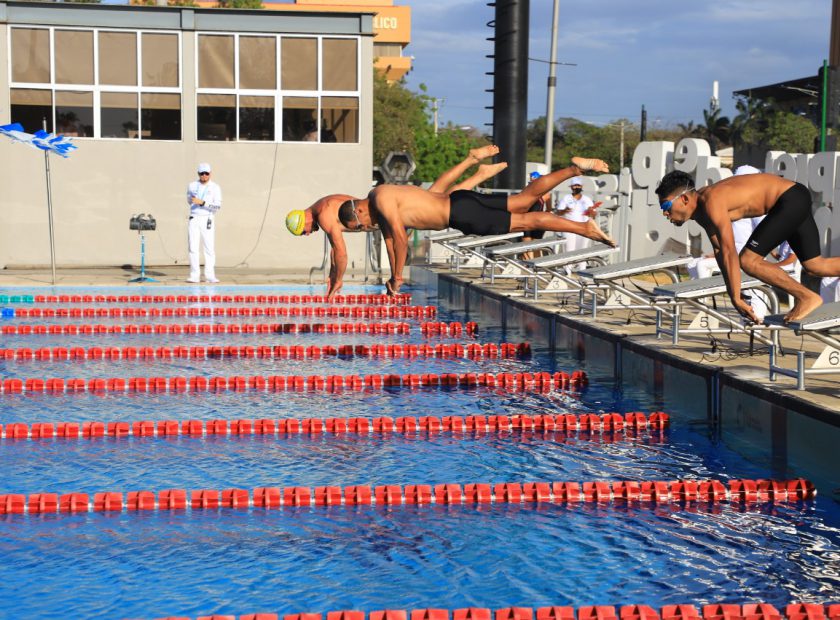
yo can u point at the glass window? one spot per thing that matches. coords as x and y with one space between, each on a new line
258 63
299 63
215 61
256 118
217 117
160 118
30 107
339 119
74 56
31 55
118 58
118 115
339 64
300 122
160 60
74 113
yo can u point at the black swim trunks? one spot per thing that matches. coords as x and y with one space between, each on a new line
479 214
792 220
537 207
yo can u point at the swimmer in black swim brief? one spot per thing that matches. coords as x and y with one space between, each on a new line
479 214
789 219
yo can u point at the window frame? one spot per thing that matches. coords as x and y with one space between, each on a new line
96 88
278 93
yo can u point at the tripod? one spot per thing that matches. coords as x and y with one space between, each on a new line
142 277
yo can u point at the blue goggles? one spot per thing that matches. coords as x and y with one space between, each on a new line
669 204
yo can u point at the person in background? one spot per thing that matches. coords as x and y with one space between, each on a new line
578 208
204 198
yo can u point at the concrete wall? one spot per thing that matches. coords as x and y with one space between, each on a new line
104 182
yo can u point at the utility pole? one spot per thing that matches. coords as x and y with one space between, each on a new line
552 86
643 127
621 142
435 112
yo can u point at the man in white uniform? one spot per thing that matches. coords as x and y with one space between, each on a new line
204 198
575 207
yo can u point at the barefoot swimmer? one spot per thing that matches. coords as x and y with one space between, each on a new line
787 206
324 213
393 208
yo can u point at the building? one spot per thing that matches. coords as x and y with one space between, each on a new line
279 102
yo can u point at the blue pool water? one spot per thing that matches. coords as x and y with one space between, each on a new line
328 558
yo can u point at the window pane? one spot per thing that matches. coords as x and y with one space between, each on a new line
216 117
160 60
29 107
340 119
73 57
74 113
299 118
257 62
299 64
30 55
118 58
118 115
160 116
215 61
256 118
339 64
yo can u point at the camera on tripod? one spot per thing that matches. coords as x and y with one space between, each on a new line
142 222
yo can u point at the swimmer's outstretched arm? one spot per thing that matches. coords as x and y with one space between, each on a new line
338 262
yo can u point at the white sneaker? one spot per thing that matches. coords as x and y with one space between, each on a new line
192 280
212 280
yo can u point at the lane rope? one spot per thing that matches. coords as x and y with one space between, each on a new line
366 312
600 492
564 423
375 299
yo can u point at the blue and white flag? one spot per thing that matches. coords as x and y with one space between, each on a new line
59 145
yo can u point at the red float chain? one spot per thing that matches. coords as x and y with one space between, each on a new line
504 350
601 492
377 300
716 611
428 329
508 381
565 423
365 312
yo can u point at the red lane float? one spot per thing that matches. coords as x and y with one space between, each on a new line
376 300
211 328
509 382
356 312
504 350
600 492
587 423
718 611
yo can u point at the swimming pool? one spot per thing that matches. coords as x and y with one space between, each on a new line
319 558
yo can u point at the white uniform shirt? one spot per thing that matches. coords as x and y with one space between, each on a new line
209 192
576 208
742 229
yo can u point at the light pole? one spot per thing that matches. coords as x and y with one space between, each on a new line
552 86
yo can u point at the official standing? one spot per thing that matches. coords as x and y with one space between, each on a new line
204 198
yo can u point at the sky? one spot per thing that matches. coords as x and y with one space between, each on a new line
662 54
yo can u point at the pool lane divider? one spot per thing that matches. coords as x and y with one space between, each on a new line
428 329
564 423
715 611
356 312
379 300
673 492
505 381
504 350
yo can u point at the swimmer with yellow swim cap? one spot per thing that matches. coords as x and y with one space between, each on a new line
296 222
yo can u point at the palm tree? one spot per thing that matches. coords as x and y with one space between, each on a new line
751 112
688 130
715 128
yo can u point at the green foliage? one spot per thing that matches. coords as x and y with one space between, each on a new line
398 115
240 4
715 128
434 154
783 131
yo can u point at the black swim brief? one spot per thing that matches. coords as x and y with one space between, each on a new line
791 220
479 214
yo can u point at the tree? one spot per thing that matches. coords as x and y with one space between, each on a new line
752 114
239 4
715 128
784 131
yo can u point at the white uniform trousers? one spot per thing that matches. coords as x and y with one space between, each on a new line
203 228
575 242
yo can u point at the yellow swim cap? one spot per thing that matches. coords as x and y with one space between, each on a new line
296 222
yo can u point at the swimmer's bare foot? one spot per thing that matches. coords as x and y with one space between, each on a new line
487 171
590 164
596 234
803 307
483 152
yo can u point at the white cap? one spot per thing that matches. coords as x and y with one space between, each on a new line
746 170
203 167
576 181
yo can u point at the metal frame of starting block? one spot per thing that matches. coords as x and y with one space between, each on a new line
671 298
550 270
472 248
816 325
505 257
443 239
618 296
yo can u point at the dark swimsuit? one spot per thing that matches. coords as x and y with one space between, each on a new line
792 220
479 214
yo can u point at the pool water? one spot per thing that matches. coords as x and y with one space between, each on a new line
235 561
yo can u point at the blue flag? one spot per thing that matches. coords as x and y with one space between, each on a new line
60 145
